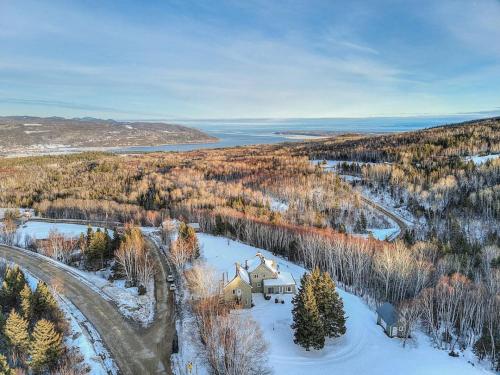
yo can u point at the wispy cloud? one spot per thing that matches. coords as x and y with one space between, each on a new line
249 59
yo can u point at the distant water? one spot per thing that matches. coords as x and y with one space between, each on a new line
262 131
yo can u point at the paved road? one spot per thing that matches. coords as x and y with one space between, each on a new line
401 224
135 349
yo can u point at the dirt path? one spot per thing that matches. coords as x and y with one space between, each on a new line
400 223
135 349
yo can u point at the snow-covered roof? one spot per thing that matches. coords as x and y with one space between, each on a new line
243 274
284 278
253 263
388 312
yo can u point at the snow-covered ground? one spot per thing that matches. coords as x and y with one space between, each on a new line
476 159
364 349
131 305
82 336
41 229
278 205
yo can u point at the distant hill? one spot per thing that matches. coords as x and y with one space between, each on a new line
25 134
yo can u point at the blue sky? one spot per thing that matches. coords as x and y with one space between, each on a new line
254 59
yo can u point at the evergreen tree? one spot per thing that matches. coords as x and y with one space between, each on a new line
44 305
4 366
14 281
26 302
16 332
115 243
306 320
97 250
88 237
363 222
330 305
46 346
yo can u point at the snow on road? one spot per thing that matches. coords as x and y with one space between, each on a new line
364 349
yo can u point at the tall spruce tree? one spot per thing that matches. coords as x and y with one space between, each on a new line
16 332
330 305
306 320
26 302
14 281
46 346
44 305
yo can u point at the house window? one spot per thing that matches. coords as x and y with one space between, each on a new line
255 276
258 285
234 292
289 289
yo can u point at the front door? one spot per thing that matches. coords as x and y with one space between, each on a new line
281 290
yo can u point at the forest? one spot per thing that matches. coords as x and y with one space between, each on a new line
444 274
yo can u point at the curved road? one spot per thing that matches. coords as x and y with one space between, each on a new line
400 222
136 350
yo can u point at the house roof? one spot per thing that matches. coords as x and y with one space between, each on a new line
284 278
255 262
388 313
243 274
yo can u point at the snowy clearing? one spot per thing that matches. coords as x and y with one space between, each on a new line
41 229
278 205
364 349
477 160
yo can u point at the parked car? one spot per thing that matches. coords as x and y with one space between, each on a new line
170 278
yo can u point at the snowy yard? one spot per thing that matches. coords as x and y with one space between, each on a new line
365 349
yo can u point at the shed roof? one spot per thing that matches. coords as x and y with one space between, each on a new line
388 313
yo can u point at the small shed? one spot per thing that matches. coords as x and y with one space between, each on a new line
388 318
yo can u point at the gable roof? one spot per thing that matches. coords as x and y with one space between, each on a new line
388 313
256 261
243 274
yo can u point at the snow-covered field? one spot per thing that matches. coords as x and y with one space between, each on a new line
364 349
41 229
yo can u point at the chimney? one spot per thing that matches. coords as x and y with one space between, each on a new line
262 260
237 268
246 265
